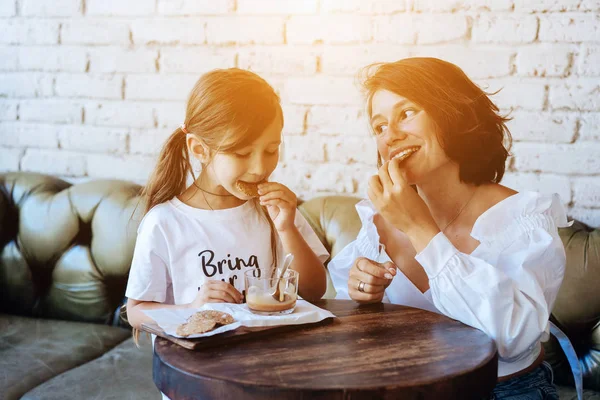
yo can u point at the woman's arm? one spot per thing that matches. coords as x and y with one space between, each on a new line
511 300
510 296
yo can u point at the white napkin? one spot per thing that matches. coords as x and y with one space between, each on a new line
170 319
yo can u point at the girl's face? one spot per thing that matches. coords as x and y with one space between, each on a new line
253 163
402 127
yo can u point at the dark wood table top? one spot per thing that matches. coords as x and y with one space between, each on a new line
377 351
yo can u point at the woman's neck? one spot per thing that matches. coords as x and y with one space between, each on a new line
446 196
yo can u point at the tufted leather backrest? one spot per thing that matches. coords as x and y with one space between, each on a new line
577 308
65 251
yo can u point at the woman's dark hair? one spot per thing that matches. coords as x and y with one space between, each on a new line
470 129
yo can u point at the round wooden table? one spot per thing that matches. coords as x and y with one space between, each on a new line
377 351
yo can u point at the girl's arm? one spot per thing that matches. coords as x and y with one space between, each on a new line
281 205
212 291
136 315
313 280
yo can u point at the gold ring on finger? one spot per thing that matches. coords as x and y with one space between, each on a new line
361 286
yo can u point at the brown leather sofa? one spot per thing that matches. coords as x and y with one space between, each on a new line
65 252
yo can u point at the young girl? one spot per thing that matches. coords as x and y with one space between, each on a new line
195 242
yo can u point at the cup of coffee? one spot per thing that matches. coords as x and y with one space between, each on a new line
260 290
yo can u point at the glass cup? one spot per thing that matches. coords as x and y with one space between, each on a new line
260 288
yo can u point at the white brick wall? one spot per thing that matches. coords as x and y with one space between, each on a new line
92 88
544 60
9 60
29 31
24 85
331 29
589 61
54 162
243 30
111 59
502 28
159 87
88 85
50 110
13 134
191 7
277 7
119 113
50 8
92 31
8 110
8 9
52 58
195 59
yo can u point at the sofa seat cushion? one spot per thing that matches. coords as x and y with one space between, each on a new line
33 350
125 372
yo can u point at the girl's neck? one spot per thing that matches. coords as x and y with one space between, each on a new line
201 194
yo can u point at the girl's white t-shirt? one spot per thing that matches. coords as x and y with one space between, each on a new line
180 247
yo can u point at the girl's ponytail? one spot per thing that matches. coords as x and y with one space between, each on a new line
167 180
170 174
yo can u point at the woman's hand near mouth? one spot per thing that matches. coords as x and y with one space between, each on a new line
401 205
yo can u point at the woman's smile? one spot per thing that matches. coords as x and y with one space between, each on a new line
402 154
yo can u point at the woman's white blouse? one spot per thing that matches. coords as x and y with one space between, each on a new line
506 287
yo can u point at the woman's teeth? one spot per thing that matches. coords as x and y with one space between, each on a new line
404 154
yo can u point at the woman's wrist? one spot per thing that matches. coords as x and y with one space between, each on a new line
421 235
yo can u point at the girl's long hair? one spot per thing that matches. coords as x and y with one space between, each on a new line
228 109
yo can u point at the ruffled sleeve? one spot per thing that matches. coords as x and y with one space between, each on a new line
365 245
310 237
508 285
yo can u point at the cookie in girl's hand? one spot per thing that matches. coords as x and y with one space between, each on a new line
250 189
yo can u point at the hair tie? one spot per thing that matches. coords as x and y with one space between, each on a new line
183 129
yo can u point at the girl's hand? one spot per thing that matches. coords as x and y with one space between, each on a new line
280 202
213 291
369 279
397 201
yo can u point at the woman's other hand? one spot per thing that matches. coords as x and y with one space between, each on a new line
369 279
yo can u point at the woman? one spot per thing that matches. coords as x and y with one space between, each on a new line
441 233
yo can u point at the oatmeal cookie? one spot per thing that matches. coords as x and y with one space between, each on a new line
248 188
196 326
221 318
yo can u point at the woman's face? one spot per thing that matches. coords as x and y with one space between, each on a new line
402 128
